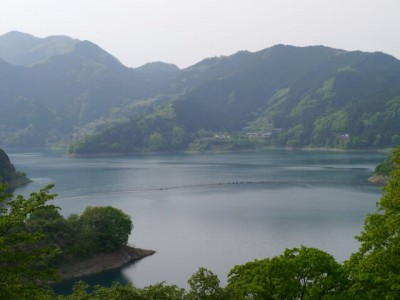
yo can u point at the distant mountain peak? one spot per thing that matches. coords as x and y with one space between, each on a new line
18 34
24 49
157 66
95 52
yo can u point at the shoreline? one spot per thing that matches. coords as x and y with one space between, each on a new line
103 262
19 182
255 150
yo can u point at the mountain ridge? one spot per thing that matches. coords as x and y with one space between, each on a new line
297 96
25 49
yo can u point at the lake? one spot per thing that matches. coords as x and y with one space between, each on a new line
216 210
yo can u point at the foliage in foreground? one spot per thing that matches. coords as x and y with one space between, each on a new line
24 260
373 272
34 237
299 273
375 268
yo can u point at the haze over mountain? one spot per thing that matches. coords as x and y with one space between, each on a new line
24 49
283 95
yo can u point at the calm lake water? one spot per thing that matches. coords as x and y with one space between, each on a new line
216 210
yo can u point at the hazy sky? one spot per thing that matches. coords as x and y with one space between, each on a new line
185 31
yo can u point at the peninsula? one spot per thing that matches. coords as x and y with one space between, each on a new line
103 262
8 173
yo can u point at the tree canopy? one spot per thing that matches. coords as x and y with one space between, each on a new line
375 268
299 273
97 230
107 227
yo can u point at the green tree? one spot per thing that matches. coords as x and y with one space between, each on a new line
377 140
250 280
156 142
396 140
297 136
79 241
118 291
24 259
49 222
299 273
108 227
204 285
178 137
162 291
384 168
375 268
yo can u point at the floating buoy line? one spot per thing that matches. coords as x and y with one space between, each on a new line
261 182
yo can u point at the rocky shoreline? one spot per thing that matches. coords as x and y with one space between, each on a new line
379 179
103 262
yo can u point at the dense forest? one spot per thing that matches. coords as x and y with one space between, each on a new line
27 268
8 173
61 93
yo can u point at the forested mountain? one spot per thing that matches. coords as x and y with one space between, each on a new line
284 96
46 102
311 96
